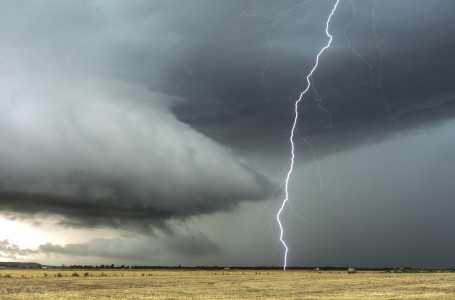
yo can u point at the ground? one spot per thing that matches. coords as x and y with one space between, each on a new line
223 284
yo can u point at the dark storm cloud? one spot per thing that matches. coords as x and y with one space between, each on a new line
108 248
228 102
139 248
380 207
85 139
203 52
125 210
195 244
120 113
99 160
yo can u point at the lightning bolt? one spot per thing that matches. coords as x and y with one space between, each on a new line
381 55
316 162
319 102
349 43
379 72
275 19
293 130
280 16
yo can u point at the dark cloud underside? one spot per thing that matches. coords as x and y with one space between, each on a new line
415 73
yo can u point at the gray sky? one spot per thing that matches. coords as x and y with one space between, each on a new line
156 132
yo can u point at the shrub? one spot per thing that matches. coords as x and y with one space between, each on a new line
75 274
86 274
59 274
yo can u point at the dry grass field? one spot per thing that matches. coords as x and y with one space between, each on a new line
224 284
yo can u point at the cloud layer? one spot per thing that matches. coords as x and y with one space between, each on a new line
97 153
138 248
13 251
415 72
133 115
95 148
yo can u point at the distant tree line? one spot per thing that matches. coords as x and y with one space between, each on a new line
32 265
22 265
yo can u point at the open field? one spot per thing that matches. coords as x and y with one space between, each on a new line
219 284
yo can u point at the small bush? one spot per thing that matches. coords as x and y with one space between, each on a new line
75 274
8 276
59 274
86 274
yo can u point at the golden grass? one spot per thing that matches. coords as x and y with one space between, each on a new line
224 284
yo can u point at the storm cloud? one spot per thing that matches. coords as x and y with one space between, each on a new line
107 157
97 149
416 56
140 248
211 60
149 115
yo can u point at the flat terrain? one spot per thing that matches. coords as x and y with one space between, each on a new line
224 284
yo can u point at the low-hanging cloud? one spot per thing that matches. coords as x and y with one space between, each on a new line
105 152
13 251
140 247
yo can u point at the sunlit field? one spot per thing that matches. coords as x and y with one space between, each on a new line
219 284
